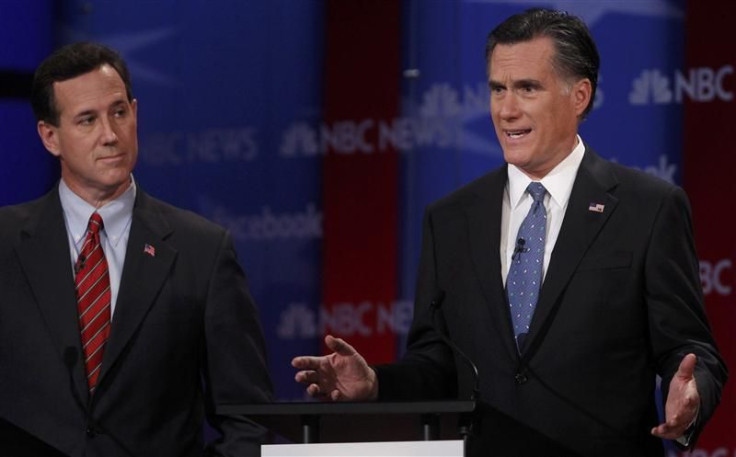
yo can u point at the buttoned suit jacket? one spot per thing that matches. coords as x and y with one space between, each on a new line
185 337
620 303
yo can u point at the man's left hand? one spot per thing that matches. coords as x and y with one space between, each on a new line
683 402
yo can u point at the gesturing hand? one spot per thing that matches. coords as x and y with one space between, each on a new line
343 375
683 401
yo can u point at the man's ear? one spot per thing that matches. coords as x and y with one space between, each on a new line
49 137
581 93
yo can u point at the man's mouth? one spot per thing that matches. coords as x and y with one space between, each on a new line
514 134
112 156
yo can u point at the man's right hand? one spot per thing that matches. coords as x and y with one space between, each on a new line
343 375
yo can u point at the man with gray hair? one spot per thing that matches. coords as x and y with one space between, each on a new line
571 281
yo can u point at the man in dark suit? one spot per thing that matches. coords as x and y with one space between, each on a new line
124 321
569 280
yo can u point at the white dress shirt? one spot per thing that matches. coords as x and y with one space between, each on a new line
116 217
517 202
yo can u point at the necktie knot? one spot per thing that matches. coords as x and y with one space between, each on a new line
95 223
536 190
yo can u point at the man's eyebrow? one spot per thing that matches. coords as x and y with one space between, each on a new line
530 82
90 111
85 113
527 82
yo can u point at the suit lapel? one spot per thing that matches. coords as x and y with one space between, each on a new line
484 227
46 261
148 260
579 229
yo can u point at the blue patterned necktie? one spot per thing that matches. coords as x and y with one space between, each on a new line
525 275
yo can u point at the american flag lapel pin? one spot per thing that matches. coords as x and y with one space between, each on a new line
150 250
596 207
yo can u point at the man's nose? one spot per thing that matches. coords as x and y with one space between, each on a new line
508 106
109 136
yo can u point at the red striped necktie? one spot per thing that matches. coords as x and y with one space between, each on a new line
93 300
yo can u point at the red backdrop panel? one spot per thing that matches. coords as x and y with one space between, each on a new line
362 80
709 174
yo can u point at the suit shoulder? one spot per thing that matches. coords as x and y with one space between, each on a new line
14 216
642 184
184 220
24 208
484 187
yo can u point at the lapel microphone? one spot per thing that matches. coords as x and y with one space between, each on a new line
435 306
81 260
519 249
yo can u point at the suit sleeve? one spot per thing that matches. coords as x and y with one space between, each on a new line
235 369
677 321
427 370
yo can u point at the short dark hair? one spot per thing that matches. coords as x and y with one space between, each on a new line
66 63
576 54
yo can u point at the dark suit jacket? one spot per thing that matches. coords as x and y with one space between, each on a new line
185 336
621 302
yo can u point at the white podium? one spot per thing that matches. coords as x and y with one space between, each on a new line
453 448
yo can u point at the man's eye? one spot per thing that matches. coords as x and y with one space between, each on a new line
86 121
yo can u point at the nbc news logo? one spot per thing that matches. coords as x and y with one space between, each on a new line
364 318
298 321
650 87
703 84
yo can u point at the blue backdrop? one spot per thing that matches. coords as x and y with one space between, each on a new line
230 119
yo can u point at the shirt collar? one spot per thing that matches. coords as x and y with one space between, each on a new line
558 181
116 214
